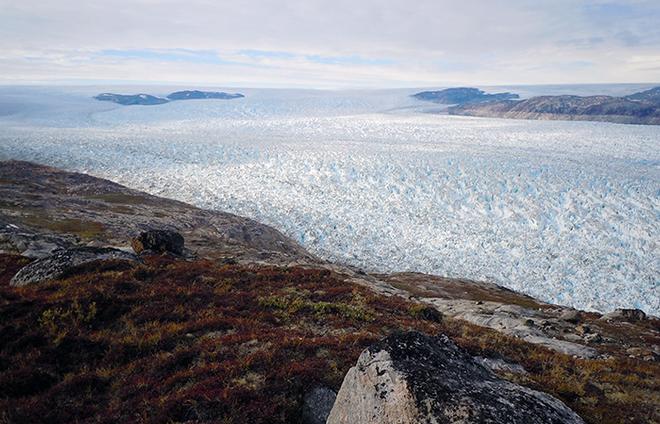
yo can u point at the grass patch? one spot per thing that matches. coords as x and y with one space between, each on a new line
86 230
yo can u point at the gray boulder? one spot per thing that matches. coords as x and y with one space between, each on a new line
56 265
159 241
317 405
412 378
571 315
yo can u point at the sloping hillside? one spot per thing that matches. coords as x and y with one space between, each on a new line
241 328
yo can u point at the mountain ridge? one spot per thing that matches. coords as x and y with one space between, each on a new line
639 108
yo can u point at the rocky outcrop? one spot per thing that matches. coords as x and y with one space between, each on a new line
413 378
639 108
16 239
52 204
492 306
462 95
630 315
158 241
62 261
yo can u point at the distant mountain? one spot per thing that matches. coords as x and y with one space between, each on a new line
462 95
638 108
131 99
149 100
196 94
648 96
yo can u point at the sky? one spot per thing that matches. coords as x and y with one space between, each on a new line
330 44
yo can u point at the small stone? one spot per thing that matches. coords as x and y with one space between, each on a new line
593 338
583 329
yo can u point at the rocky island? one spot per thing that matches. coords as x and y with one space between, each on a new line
638 108
131 99
149 100
462 95
116 305
196 94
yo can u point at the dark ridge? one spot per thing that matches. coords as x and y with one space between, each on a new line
638 108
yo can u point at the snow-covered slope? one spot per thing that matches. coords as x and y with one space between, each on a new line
566 211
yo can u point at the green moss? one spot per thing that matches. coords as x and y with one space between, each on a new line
59 322
294 304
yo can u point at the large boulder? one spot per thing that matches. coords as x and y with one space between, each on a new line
159 241
412 378
56 265
571 315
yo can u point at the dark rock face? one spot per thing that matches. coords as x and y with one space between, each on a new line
159 241
317 405
57 264
463 95
196 94
639 108
413 378
131 99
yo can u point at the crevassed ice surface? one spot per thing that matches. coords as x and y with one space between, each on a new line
568 212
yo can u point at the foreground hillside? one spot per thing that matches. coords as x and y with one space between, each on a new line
244 324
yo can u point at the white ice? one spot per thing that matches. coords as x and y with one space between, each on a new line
568 212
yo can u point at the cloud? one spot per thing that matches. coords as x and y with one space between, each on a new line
319 43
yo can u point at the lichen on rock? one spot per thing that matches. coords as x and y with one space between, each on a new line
410 378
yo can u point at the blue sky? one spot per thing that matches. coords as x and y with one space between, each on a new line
330 44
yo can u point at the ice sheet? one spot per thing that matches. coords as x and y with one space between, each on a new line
568 212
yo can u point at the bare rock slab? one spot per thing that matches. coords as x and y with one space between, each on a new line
410 378
57 264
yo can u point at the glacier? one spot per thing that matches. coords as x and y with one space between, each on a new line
568 212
